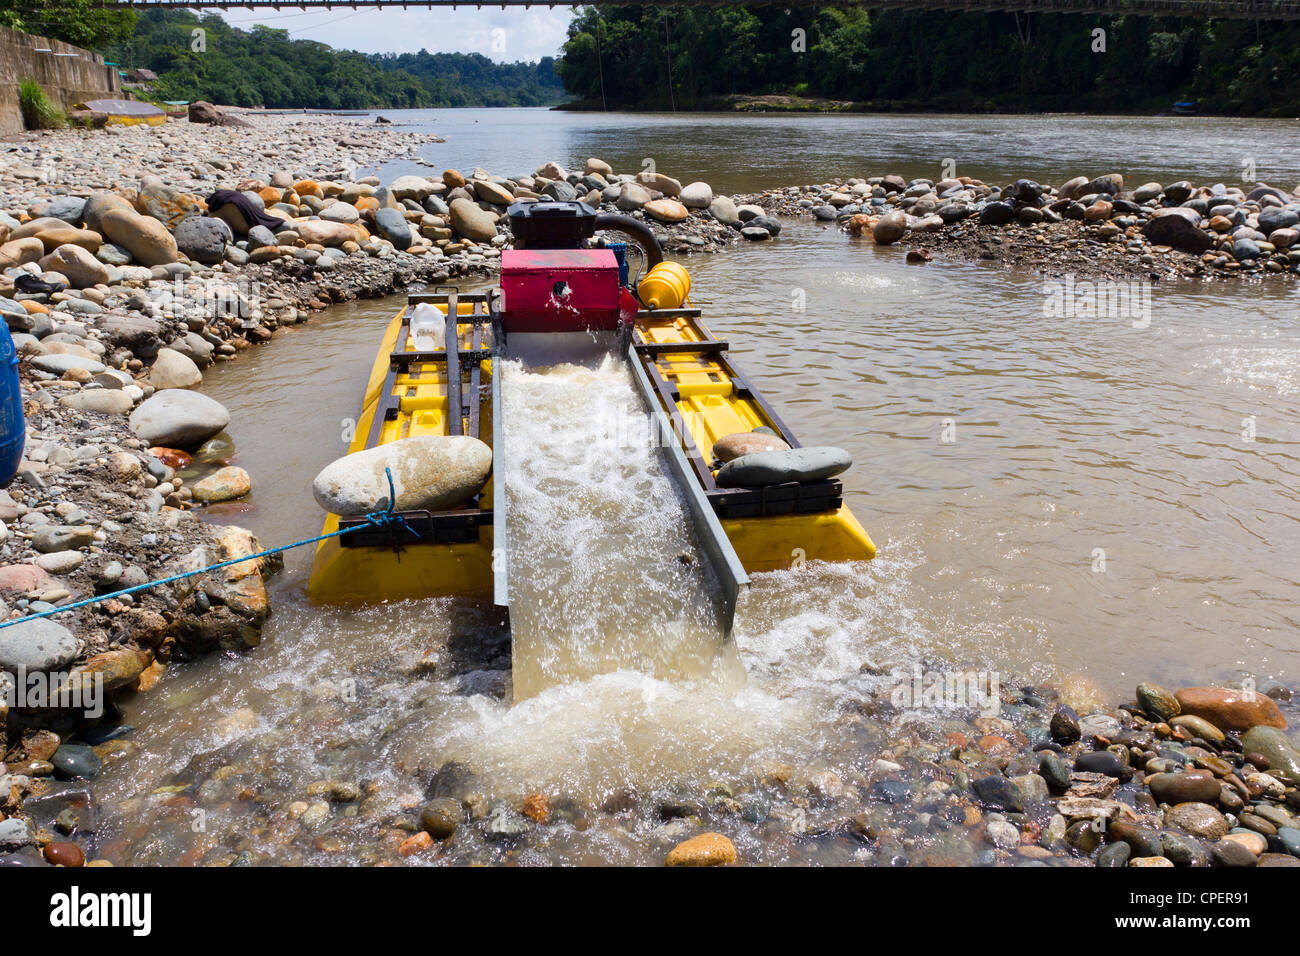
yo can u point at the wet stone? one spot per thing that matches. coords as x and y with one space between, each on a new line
1114 854
1065 725
73 761
891 791
505 823
1104 762
1199 819
441 817
1158 701
1191 786
998 791
1182 850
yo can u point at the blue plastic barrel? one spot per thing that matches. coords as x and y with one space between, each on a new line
13 429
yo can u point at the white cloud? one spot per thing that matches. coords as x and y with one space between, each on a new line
504 35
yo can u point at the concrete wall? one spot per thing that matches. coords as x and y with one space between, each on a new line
67 80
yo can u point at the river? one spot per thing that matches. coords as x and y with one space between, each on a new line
1085 501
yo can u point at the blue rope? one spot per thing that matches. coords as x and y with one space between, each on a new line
378 519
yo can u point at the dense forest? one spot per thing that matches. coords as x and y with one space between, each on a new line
266 67
624 56
638 57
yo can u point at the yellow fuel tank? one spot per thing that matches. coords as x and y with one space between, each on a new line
666 286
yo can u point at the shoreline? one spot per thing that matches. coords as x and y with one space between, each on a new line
1102 227
97 352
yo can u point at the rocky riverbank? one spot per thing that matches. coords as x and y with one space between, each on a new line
1097 228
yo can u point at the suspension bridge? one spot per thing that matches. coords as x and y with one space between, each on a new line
1225 9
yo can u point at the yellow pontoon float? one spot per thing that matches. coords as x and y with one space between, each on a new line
563 294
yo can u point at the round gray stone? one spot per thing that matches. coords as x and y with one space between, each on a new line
39 645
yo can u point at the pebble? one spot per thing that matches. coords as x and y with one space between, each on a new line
73 761
225 484
1199 819
64 854
1192 786
441 817
707 849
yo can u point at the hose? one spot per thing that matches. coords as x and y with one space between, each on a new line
636 229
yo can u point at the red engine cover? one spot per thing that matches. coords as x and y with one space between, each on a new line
559 290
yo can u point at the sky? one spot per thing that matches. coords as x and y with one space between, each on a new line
520 33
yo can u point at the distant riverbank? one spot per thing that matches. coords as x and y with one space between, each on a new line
792 103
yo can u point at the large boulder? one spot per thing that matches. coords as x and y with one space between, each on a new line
224 484
1169 227
33 226
171 369
1283 755
434 472
560 191
739 444
165 203
102 401
39 645
492 192
1230 709
203 238
392 225
70 209
81 268
146 238
552 171
723 209
59 363
325 232
176 418
666 210
54 236
696 195
660 183
889 228
778 467
472 222
632 197
340 212
97 205
18 252
201 111
411 187
1110 184
1274 218
137 334
997 213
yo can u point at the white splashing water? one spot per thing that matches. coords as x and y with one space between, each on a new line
604 568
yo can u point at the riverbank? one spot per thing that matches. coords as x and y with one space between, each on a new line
1101 227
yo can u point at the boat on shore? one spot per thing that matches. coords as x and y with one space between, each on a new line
566 296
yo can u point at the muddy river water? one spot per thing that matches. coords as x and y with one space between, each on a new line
1086 500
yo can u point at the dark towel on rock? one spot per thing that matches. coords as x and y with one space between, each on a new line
252 215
